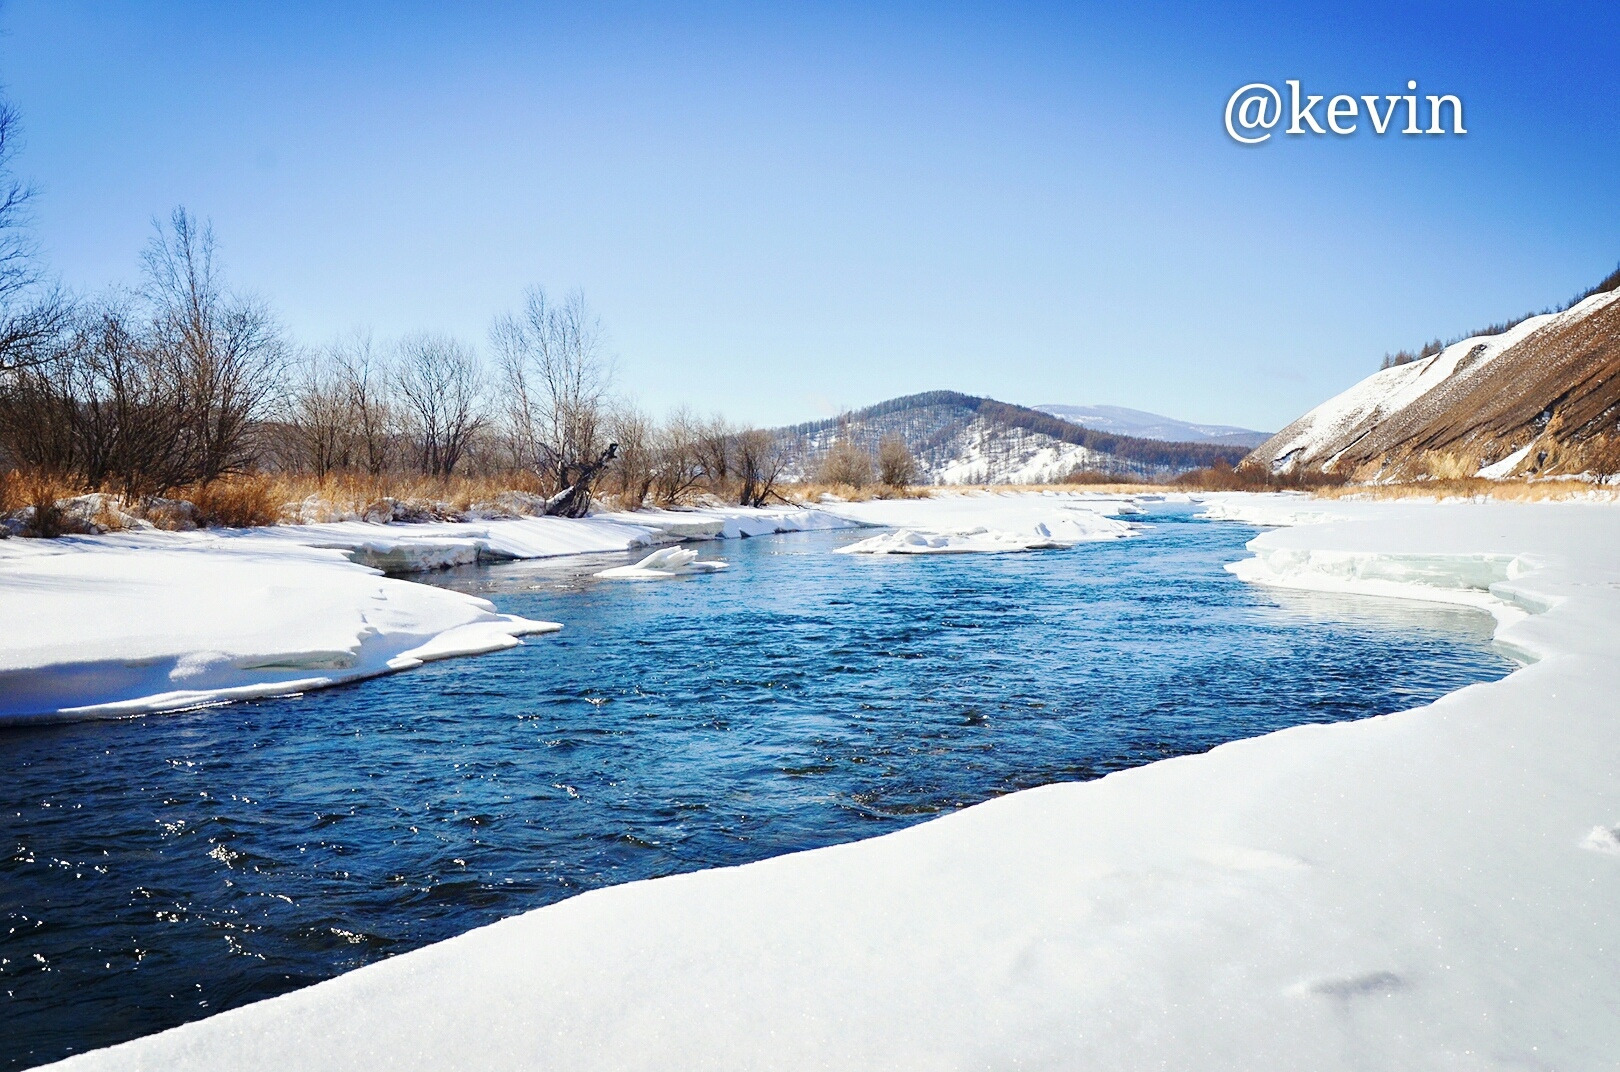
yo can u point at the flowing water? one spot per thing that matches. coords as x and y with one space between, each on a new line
166 868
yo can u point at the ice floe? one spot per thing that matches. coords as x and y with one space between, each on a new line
908 542
664 564
986 522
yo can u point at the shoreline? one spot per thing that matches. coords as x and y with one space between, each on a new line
147 622
1410 890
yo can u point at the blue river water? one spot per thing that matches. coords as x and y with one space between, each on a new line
163 869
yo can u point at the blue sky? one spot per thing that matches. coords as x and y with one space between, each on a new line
781 210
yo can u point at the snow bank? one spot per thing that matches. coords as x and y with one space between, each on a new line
1432 889
416 548
986 522
731 523
112 626
147 621
663 565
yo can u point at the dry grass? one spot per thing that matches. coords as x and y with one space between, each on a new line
1087 487
237 502
352 492
1478 490
810 492
1440 465
255 499
21 490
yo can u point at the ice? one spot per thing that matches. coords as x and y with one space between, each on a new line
907 542
664 564
951 523
1429 889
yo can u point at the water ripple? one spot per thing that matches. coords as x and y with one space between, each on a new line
167 868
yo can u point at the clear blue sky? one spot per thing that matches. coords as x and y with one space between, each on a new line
783 209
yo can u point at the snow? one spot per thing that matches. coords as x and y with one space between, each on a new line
148 621
986 522
1434 888
1429 889
1498 470
1391 390
107 627
663 565
992 455
907 542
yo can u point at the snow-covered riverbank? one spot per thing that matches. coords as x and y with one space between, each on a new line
105 626
1430 889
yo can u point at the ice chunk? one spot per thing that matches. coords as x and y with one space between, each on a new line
664 564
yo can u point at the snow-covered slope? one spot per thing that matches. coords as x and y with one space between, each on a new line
1431 889
962 439
1145 425
1545 393
986 454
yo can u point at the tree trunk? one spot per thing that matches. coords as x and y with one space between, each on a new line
575 499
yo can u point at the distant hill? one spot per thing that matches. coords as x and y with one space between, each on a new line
962 439
1145 425
1539 397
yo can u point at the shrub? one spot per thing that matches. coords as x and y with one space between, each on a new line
235 502
1090 476
1257 478
847 464
896 467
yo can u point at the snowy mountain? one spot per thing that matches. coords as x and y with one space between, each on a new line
961 439
1145 425
1540 398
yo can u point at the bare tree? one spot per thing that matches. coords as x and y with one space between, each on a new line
896 467
37 413
320 420
555 381
440 388
225 351
713 441
633 431
103 407
32 313
761 457
846 463
366 389
677 467
126 416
